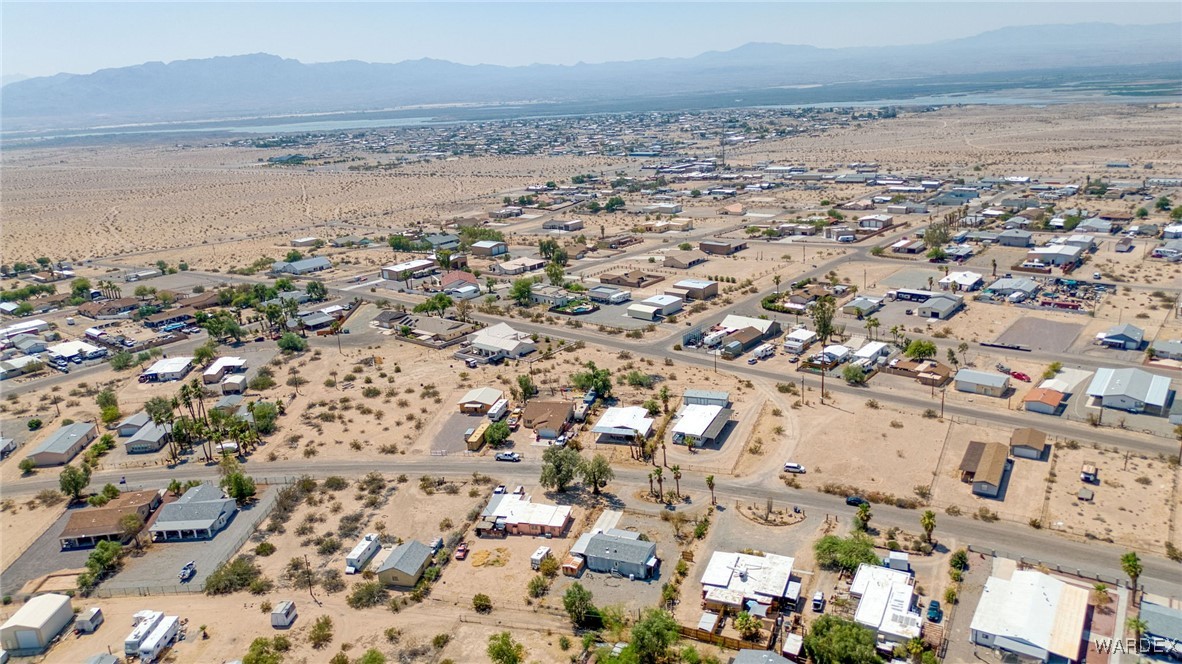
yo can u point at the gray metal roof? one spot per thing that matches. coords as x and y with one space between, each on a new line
982 377
1127 330
138 420
624 550
313 263
759 657
941 304
1132 383
407 557
64 438
199 508
1162 621
151 432
717 395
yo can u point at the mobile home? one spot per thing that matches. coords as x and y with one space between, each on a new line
143 623
360 555
159 639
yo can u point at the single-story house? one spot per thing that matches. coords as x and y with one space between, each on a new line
886 598
1133 390
235 384
1044 400
941 307
489 248
500 341
417 267
1008 286
349 241
435 329
405 564
699 425
551 296
443 241
478 400
548 419
742 341
619 552
70 349
91 525
1123 337
1015 237
19 366
696 397
731 580
170 368
304 242
199 514
631 279
1163 628
797 341
1027 443
109 308
962 281
36 624
984 465
768 328
683 260
514 514
623 424
873 351
568 225
982 382
63 444
302 266
148 439
1085 242
29 344
697 289
862 306
1032 615
1170 250
222 366
133 423
519 265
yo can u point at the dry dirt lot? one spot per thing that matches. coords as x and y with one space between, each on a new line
1022 496
1132 504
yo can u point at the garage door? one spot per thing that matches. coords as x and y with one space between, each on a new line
27 639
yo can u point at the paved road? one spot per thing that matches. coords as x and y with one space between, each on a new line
1160 575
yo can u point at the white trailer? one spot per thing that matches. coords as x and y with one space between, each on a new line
89 620
535 561
361 554
144 622
283 615
498 410
764 351
160 638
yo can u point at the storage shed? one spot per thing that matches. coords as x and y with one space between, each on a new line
31 629
982 382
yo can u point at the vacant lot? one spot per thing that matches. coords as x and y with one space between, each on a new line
1041 334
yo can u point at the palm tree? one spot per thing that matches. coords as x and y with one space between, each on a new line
1136 626
994 262
650 484
776 280
660 481
927 521
710 485
677 478
871 324
1131 564
1100 595
663 395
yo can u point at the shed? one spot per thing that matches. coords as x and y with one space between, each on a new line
34 626
284 614
134 423
479 400
1028 443
643 311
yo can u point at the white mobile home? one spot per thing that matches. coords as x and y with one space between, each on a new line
159 639
143 622
362 553
797 341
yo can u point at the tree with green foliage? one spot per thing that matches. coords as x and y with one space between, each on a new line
927 521
293 256
593 378
920 349
577 602
555 274
1131 564
521 291
862 517
73 480
1162 203
834 640
596 473
560 466
747 625
438 303
854 374
239 486
845 553
502 649
496 434
822 313
291 342
547 247
316 290
1142 213
613 204
653 636
526 387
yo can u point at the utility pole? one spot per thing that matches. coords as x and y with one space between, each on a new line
942 393
311 580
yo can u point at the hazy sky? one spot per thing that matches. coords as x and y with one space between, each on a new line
45 38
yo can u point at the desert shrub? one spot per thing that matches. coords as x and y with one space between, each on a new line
321 633
232 576
264 549
366 595
441 640
482 603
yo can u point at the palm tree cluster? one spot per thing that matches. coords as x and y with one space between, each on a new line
193 424
109 289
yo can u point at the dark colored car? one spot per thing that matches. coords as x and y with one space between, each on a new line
856 501
935 613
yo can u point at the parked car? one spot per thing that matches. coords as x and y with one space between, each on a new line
935 613
472 364
515 419
462 551
909 312
508 456
1096 276
752 360
1002 368
819 602
519 490
793 360
1020 376
500 489
791 467
856 501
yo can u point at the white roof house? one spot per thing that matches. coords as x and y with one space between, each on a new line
220 366
701 422
482 397
798 340
731 578
22 327
517 510
170 368
72 348
736 322
873 350
623 423
963 280
885 599
1031 614
502 340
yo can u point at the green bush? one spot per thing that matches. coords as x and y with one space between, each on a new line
233 576
366 595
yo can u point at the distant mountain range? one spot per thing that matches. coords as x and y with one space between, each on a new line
263 84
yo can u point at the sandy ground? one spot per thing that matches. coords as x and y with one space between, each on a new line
21 523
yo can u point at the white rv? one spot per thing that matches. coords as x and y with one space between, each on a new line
498 410
365 549
144 622
160 638
765 351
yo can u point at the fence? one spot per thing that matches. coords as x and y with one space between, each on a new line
1113 581
730 642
